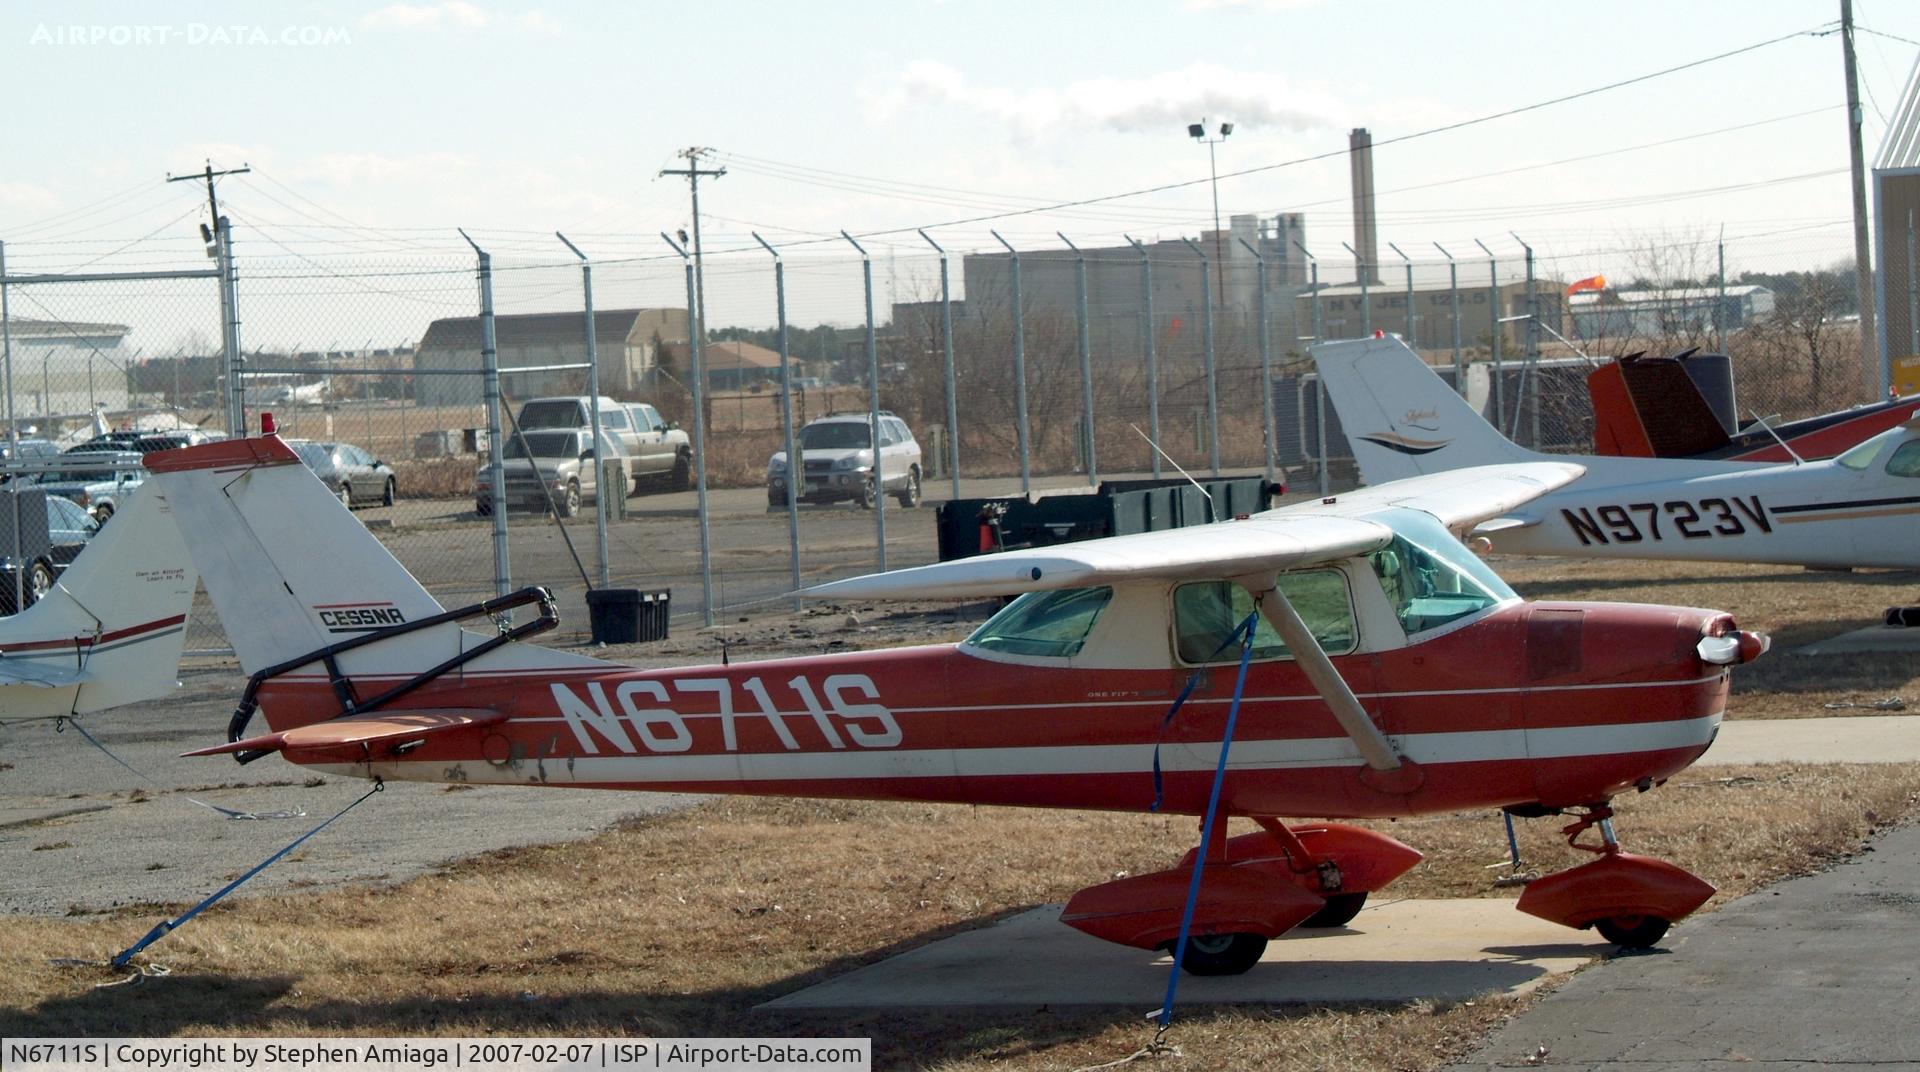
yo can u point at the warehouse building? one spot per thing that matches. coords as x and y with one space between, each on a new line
628 342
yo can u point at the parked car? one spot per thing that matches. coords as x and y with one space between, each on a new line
664 454
551 468
351 473
31 450
51 537
836 456
110 476
657 451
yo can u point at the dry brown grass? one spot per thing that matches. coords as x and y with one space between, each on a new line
1795 606
678 925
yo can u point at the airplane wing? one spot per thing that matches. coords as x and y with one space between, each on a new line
1264 543
1460 498
41 676
1292 537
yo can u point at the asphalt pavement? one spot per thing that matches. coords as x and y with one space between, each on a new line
1815 972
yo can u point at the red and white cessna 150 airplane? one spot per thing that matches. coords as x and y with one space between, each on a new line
1392 674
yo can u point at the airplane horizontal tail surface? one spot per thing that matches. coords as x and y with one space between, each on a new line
115 621
287 567
1401 419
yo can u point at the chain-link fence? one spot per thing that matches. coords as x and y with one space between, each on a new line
1140 358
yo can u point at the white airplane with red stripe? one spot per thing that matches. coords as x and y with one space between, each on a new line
109 631
1391 673
1856 509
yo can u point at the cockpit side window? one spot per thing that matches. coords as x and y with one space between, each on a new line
1906 460
1863 455
1047 624
1206 614
1428 590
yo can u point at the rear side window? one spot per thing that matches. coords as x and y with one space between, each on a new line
614 418
1052 624
558 413
1906 460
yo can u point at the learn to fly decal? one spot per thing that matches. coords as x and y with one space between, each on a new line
1370 692
1860 508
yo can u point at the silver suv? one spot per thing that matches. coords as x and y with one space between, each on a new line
836 462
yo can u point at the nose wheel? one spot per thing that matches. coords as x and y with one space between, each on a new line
1630 900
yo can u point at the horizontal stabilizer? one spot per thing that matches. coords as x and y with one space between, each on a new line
375 736
1463 498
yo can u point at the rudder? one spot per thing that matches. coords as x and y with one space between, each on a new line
1401 419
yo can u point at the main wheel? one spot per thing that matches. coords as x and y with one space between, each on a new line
483 508
570 502
910 495
682 477
346 495
1632 932
387 497
103 512
1338 911
39 582
1223 954
867 495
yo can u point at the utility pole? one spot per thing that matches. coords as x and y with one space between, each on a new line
693 171
1862 252
220 239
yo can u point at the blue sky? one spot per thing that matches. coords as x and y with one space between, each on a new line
514 118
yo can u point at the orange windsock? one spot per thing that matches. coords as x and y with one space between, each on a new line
1597 282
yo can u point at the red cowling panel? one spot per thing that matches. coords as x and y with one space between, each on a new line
1143 911
1617 431
1367 860
1619 884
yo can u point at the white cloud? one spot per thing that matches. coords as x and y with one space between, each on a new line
1156 102
458 15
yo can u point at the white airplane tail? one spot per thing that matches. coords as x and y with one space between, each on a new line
115 621
1401 419
291 571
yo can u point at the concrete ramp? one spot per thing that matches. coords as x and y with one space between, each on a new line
1398 951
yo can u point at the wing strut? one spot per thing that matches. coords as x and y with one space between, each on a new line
1312 659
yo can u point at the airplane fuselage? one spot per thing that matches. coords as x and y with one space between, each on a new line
1815 514
1556 703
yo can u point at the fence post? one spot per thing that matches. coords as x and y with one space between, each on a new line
1020 371
1413 340
230 325
1913 293
1366 296
1206 346
490 393
1266 359
1453 288
1086 357
796 471
873 414
1319 393
1529 368
1153 360
593 418
946 339
695 328
1493 319
13 424
1720 306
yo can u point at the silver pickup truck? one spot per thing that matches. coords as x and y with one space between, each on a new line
659 454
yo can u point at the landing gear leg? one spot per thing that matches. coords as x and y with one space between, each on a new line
1631 900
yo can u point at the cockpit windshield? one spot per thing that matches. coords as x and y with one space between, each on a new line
1429 578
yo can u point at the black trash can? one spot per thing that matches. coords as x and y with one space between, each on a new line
628 615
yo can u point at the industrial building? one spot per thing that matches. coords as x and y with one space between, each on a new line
1350 311
1668 312
627 341
67 369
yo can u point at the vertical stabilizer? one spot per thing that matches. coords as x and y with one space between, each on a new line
1401 419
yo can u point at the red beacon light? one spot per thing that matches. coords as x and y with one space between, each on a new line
1379 333
267 425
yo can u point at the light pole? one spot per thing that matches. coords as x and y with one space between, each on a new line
1199 133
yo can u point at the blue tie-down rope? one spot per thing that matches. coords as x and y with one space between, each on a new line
166 927
1242 632
1206 826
